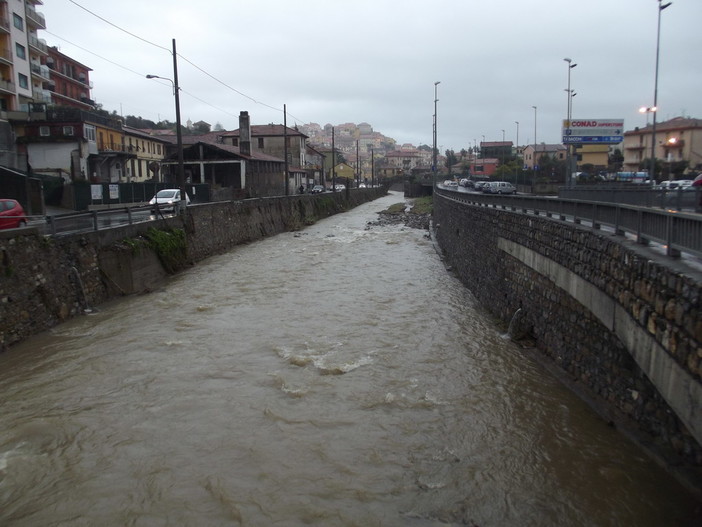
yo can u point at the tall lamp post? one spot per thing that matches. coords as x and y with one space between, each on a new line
652 172
180 173
568 118
434 156
516 153
534 165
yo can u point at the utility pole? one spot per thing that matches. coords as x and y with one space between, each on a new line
285 149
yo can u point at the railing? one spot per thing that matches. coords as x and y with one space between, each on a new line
676 231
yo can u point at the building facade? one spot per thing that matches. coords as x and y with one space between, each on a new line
22 53
677 140
532 154
69 81
77 145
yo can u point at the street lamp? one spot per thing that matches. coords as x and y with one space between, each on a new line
647 110
568 118
180 173
535 144
434 160
652 172
516 153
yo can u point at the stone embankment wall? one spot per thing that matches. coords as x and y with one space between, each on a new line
623 329
45 281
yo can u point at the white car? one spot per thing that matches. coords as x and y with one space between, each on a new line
167 199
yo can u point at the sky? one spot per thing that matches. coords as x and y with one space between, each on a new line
376 61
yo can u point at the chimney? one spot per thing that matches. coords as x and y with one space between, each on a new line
244 134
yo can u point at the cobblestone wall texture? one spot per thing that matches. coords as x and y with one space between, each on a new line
664 302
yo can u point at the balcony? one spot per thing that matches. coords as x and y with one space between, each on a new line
40 71
6 56
7 87
4 24
35 19
38 44
41 96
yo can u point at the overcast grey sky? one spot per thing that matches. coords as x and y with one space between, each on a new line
376 61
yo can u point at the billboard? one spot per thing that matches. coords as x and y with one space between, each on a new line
593 131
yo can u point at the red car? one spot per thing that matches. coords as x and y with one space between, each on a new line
11 214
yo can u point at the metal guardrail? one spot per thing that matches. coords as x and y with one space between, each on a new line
676 231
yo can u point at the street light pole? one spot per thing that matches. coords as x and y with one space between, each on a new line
180 171
535 145
568 118
516 153
652 173
434 156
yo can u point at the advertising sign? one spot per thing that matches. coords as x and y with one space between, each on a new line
593 131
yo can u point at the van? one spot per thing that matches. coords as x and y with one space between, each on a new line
499 187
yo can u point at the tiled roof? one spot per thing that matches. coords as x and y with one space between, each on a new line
676 123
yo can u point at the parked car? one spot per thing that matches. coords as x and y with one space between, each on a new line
168 199
478 185
11 214
317 189
339 188
450 183
499 187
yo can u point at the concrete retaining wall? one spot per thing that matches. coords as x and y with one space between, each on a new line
623 327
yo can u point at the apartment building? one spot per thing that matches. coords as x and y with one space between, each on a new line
69 81
679 139
23 73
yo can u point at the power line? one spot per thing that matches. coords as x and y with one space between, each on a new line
142 75
116 26
182 57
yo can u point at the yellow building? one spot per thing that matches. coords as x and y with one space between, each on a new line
150 151
596 155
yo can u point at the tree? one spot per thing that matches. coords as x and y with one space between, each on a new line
451 159
218 127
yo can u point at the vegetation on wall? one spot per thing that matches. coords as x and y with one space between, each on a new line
170 247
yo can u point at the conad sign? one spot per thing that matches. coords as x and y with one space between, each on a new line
589 131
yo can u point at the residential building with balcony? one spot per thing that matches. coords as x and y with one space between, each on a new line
677 140
21 55
77 144
68 82
149 151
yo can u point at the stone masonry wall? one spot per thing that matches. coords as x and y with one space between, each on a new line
664 303
45 281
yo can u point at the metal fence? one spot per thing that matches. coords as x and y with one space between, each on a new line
676 231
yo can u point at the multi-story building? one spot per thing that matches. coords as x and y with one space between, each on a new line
677 140
149 151
77 144
270 139
532 154
69 81
22 77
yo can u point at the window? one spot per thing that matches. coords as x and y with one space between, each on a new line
235 141
17 20
260 142
89 132
23 81
20 51
67 130
44 131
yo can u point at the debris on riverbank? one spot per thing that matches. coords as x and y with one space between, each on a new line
413 213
